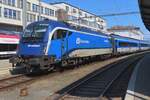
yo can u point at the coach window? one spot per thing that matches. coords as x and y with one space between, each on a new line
144 45
123 44
59 34
133 44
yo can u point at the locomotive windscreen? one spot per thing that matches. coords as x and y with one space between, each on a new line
35 32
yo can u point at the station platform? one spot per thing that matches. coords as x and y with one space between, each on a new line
139 85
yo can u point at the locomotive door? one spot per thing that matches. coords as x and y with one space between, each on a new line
64 43
59 44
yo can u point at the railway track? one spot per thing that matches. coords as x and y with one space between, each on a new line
13 81
102 83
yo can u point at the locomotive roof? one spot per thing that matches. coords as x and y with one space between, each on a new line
55 24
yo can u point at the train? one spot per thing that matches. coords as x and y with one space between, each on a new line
8 43
47 44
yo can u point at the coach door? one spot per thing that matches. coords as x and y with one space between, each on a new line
114 45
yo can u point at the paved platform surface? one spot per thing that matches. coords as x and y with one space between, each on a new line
4 67
139 85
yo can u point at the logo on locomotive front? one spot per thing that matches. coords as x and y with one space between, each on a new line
80 41
35 46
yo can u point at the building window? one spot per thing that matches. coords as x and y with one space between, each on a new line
85 15
20 4
35 8
74 11
41 18
28 6
49 12
31 17
67 8
41 10
18 13
13 2
6 12
80 13
11 14
14 14
46 11
9 2
10 11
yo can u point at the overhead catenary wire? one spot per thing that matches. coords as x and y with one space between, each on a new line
111 15
119 14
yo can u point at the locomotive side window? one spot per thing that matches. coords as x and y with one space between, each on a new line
59 34
69 33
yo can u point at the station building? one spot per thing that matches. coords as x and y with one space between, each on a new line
11 14
127 31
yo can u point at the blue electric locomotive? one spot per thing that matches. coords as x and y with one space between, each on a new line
45 43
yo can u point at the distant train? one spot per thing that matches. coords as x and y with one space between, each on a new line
8 43
47 43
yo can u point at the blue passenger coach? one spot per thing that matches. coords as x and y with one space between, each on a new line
47 42
144 45
125 44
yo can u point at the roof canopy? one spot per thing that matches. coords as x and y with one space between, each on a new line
145 12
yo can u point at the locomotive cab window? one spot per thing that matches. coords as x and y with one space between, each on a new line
35 32
59 34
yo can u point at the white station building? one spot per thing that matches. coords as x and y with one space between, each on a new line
11 15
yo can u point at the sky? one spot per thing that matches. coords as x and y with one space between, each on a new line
101 7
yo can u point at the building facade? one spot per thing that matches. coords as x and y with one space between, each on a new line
81 17
11 14
127 31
